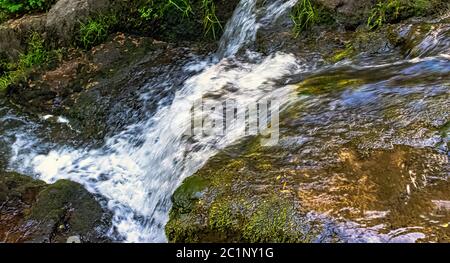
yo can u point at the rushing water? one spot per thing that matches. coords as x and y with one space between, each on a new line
138 169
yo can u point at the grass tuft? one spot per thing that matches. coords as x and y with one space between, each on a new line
304 15
96 30
211 23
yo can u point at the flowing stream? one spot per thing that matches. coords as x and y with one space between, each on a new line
137 170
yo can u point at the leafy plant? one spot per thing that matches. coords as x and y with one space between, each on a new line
36 55
19 7
382 12
304 15
39 4
3 16
11 6
96 30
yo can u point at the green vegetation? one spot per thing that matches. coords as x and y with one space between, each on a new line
273 222
210 21
151 11
382 12
155 9
221 216
389 11
20 7
304 15
343 53
3 16
188 192
36 55
96 30
307 13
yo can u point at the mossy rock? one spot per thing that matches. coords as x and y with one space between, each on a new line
16 186
223 202
191 190
34 211
66 197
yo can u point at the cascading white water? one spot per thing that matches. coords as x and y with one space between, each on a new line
138 180
243 26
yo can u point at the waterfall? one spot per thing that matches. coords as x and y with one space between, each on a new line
138 179
243 26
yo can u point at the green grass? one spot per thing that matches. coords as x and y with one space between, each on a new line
389 11
304 15
153 10
95 30
383 12
211 23
156 9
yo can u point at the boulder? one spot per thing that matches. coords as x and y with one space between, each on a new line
33 211
65 15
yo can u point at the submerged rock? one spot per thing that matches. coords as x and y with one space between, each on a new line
33 211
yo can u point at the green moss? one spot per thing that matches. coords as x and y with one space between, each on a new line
14 185
183 229
444 129
190 191
273 222
231 206
343 54
67 199
222 217
321 84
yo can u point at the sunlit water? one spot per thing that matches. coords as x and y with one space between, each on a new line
138 169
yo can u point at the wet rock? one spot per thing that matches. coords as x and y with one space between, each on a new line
32 211
350 13
356 162
422 38
223 203
91 88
